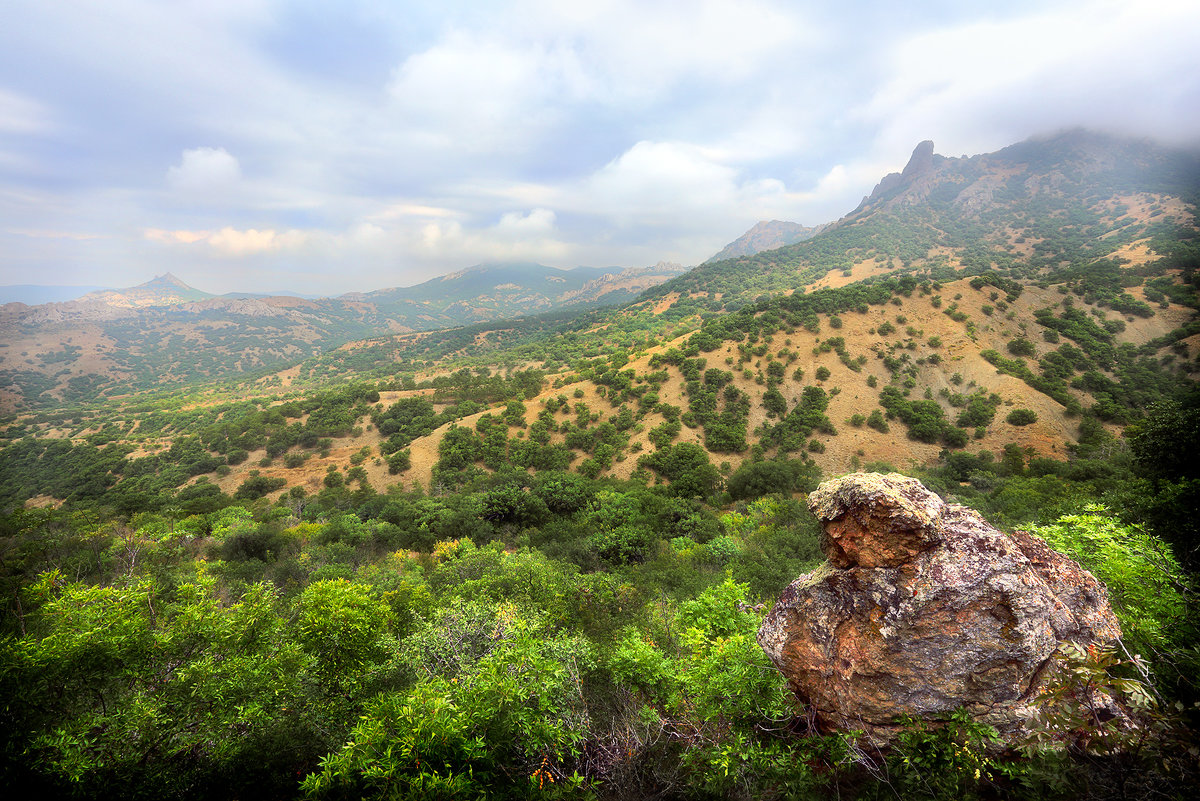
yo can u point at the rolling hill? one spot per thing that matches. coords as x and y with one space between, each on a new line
164 332
1039 298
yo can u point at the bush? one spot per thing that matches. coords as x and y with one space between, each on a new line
1022 347
400 461
755 479
1021 417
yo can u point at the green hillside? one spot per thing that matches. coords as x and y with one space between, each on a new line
527 557
165 333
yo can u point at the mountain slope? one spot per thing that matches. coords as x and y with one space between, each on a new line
1003 312
767 235
165 332
162 290
1026 210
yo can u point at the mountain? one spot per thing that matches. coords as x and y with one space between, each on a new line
767 235
165 332
1025 210
507 289
162 290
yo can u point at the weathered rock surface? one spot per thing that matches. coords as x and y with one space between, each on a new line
922 608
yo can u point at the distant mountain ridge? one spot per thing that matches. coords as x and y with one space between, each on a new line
165 331
767 235
162 290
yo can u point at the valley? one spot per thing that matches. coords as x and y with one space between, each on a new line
519 526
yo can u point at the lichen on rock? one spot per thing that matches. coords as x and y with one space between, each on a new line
924 607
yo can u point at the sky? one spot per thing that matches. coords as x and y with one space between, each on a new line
320 147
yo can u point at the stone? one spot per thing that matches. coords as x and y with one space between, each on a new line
922 608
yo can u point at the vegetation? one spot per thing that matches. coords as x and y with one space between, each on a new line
528 558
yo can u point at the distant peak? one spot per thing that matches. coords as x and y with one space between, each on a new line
164 280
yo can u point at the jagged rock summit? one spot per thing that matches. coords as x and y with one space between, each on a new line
922 608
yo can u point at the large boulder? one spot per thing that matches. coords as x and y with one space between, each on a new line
922 608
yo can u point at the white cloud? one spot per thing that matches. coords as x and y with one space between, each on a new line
537 222
205 170
653 180
982 85
634 49
475 93
174 237
515 236
233 242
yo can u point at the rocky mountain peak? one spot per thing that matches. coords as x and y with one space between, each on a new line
165 280
920 162
768 235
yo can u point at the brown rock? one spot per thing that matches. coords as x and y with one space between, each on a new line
923 608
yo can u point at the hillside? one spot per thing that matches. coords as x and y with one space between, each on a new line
766 235
534 553
1053 277
165 332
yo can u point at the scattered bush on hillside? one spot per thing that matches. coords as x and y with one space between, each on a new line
1021 417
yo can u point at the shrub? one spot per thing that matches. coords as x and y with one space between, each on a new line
1022 347
1021 417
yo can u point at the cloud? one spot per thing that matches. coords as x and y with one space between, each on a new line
174 237
985 84
478 94
656 179
204 170
232 242
537 222
636 50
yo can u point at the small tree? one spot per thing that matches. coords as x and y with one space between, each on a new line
1021 417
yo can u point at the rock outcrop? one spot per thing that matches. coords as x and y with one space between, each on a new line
922 608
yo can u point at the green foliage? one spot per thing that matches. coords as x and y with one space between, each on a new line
953 760
504 717
342 626
1147 745
687 467
755 479
126 693
1148 590
1021 417
925 419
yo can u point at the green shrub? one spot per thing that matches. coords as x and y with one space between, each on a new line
1021 417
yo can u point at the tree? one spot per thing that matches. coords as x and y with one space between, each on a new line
1021 417
755 479
687 467
342 626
